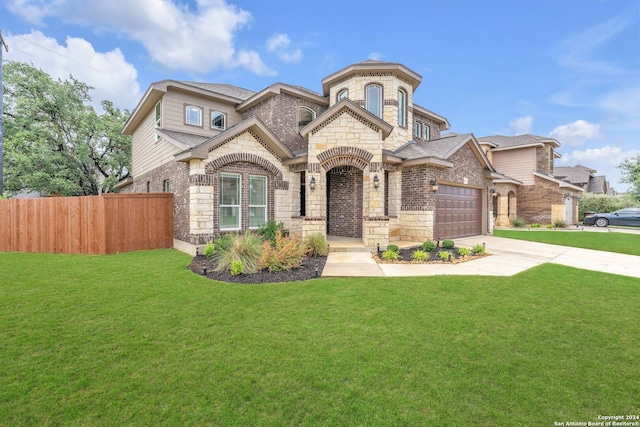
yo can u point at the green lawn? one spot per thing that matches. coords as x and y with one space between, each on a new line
624 243
137 339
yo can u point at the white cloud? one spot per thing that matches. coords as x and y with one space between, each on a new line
279 44
576 133
521 125
376 56
605 160
109 73
175 36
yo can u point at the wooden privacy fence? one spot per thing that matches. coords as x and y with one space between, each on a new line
104 224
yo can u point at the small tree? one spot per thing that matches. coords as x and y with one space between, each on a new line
631 175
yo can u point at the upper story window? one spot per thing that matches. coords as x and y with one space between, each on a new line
344 93
374 100
159 114
218 120
305 116
165 186
417 130
402 108
193 115
426 133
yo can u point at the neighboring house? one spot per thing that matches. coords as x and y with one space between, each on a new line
359 160
527 187
585 178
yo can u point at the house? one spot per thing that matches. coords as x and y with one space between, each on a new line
584 177
359 160
527 187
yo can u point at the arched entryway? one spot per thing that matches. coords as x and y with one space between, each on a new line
344 201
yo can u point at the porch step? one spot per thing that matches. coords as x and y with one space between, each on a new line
349 248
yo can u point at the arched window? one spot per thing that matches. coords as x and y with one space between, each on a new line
374 100
402 108
218 120
344 93
193 115
305 116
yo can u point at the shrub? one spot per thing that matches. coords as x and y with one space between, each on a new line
317 245
223 242
558 223
236 268
517 222
464 251
428 246
478 248
605 203
549 225
419 255
269 229
535 225
209 249
447 244
285 254
393 248
444 255
389 255
245 248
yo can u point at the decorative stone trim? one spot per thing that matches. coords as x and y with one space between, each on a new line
216 164
202 180
300 167
253 134
281 185
393 102
344 156
418 208
313 167
338 113
313 218
376 218
201 239
389 167
375 166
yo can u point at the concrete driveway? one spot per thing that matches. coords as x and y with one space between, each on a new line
508 257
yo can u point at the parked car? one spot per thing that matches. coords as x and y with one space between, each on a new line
627 216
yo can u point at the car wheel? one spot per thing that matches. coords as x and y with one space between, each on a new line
602 222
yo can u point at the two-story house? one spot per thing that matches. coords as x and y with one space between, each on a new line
585 178
359 160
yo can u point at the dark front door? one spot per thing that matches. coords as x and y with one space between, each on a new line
344 202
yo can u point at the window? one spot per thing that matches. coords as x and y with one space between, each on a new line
218 120
305 116
257 201
148 187
229 201
165 185
374 100
344 93
158 118
426 134
193 115
417 130
402 108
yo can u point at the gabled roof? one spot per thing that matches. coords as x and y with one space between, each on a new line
562 184
253 124
347 104
597 184
279 88
519 141
183 138
433 116
574 174
371 65
222 89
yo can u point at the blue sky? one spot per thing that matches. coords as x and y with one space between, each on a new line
569 69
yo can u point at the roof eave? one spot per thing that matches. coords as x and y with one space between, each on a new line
430 161
411 76
277 89
436 117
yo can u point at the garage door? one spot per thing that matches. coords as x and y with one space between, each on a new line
458 212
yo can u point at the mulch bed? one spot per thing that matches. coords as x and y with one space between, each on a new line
405 257
305 272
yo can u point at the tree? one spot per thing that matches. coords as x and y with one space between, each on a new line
631 174
55 143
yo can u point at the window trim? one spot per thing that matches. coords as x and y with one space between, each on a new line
266 201
426 132
158 117
305 108
186 115
344 91
417 130
165 186
224 119
238 203
402 108
379 99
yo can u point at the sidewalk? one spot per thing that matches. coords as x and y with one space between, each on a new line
508 257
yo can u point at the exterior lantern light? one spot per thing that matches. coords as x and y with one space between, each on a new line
580 197
434 185
493 192
567 196
312 183
376 182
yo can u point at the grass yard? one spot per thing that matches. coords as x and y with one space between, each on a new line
137 339
623 243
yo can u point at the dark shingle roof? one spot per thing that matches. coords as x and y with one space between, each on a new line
188 139
441 147
503 141
574 174
597 185
223 89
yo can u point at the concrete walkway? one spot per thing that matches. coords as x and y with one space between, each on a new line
508 257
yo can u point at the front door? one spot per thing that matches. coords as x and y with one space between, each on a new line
344 202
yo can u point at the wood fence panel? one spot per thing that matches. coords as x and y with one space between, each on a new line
91 225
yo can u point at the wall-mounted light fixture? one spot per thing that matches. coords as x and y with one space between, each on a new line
580 197
493 192
312 183
376 182
567 196
434 185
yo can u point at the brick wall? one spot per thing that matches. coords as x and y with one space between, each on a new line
543 162
535 201
345 202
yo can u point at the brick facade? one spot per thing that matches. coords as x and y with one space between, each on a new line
535 202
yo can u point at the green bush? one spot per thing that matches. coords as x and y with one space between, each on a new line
209 249
478 248
317 245
558 223
448 244
285 254
464 251
390 255
549 225
428 246
517 222
245 248
535 225
269 229
444 255
236 268
393 248
603 203
419 255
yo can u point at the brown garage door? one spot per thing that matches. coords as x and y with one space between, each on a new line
458 212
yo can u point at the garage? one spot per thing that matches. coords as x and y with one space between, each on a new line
458 212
